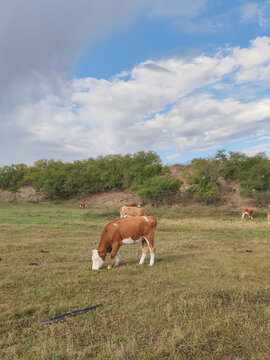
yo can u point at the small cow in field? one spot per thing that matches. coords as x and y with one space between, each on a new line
126 211
133 205
84 204
247 212
125 231
268 217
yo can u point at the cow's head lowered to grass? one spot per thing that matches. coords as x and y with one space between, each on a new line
96 260
125 231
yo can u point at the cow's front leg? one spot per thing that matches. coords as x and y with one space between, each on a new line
113 255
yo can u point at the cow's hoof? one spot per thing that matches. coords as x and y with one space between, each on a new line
109 267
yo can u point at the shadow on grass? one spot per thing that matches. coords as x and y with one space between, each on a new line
158 260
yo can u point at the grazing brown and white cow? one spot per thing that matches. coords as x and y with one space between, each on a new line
125 231
84 204
126 211
247 212
268 217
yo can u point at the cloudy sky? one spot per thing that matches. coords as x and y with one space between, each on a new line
84 78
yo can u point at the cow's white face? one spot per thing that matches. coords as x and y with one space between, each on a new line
96 260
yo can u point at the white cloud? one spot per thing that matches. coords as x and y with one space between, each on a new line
256 12
199 123
253 150
161 105
254 61
173 156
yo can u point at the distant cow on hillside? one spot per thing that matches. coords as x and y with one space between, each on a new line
84 204
126 211
133 205
247 212
125 231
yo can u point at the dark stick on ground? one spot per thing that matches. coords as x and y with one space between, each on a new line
69 314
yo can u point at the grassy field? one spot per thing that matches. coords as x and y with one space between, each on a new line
206 297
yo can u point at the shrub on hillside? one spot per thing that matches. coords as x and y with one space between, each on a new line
52 178
206 191
157 188
95 175
252 172
203 180
12 177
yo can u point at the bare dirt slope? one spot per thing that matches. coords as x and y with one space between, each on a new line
25 195
112 198
230 197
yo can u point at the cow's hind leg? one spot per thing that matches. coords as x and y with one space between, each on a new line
150 242
113 255
144 251
117 258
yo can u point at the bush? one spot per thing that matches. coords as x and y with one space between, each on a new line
59 179
157 188
12 177
253 173
52 178
203 180
206 191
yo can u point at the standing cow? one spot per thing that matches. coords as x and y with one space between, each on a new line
133 205
125 231
126 211
247 212
84 204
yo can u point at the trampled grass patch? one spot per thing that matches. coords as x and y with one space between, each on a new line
206 297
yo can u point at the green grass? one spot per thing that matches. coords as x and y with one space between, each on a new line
207 296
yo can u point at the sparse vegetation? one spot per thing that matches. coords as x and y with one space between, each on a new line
207 296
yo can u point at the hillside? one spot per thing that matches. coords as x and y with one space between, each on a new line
232 180
230 196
